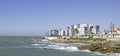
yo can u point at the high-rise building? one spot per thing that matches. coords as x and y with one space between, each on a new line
68 31
72 31
75 30
62 32
54 32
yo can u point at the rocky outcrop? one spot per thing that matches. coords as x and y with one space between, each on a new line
102 48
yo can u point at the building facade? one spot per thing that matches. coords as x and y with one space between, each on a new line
75 30
54 32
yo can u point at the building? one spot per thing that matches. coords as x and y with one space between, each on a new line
83 30
68 31
54 32
76 26
75 30
63 32
78 30
117 30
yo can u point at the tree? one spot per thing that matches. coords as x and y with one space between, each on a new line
76 30
97 29
91 27
105 32
90 32
86 29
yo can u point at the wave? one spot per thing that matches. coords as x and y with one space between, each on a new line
113 54
37 44
45 44
108 54
100 53
57 46
85 50
67 48
43 40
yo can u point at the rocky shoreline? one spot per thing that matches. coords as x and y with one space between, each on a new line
101 47
94 44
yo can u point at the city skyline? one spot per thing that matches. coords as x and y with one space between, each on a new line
34 17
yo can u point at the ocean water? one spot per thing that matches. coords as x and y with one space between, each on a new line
36 46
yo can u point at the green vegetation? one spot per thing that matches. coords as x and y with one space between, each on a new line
91 27
57 36
76 30
85 40
95 44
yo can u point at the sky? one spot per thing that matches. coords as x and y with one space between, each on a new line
35 17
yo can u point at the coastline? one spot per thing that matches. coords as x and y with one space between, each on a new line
101 48
99 45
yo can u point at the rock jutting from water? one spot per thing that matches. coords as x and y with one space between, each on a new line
101 47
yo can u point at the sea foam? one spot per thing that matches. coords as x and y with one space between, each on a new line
113 54
61 46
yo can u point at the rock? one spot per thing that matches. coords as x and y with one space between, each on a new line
101 47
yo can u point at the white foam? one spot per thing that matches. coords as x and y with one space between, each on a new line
37 44
59 47
85 50
71 48
108 54
63 44
113 54
34 41
99 53
43 40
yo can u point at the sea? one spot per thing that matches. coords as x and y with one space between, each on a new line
36 46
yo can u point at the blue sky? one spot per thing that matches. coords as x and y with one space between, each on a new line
33 17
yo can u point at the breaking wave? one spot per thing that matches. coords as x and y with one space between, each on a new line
113 54
46 45
57 47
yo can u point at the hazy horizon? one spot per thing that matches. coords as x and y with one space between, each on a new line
35 17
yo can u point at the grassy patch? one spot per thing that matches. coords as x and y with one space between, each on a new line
93 39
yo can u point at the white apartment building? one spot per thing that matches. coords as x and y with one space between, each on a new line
74 30
80 27
54 32
117 30
81 31
76 26
63 32
84 29
84 25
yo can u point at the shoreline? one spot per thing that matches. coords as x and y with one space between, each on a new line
101 48
92 44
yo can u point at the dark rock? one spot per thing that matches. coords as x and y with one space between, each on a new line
101 47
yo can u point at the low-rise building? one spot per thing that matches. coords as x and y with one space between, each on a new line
117 30
113 33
